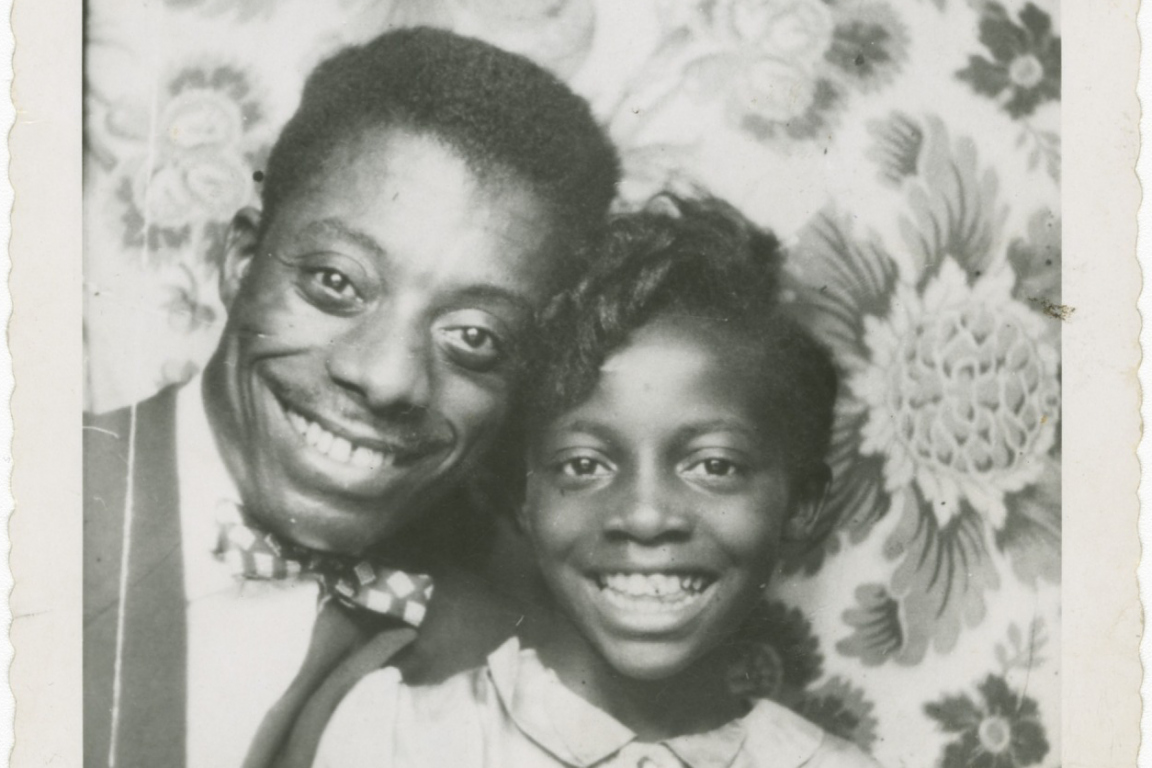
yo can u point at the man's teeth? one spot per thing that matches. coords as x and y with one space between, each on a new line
333 446
661 585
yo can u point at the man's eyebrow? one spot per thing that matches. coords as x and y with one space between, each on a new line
492 293
336 228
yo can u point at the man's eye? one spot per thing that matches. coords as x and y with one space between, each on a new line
473 346
583 466
476 339
330 287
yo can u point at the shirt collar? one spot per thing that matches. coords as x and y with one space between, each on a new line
198 451
548 713
576 732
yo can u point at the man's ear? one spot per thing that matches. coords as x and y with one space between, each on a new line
810 501
239 250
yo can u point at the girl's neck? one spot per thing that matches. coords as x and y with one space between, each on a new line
695 700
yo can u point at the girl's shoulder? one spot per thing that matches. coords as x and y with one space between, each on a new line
791 741
382 714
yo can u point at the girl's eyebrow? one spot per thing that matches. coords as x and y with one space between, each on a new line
594 428
690 431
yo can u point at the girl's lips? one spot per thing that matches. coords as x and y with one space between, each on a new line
651 602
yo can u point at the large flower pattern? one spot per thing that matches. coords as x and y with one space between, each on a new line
928 260
950 398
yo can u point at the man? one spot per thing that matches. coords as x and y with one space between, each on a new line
428 194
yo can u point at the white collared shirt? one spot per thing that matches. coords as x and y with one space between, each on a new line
516 713
246 639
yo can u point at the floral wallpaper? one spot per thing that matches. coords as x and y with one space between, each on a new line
907 151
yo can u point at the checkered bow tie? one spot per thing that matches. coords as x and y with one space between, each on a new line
254 554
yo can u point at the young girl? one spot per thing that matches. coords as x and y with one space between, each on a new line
675 430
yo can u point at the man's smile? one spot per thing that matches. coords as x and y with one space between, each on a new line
371 452
338 448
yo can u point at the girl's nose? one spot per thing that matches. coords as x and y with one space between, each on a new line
651 513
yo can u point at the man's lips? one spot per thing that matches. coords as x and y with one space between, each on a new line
345 447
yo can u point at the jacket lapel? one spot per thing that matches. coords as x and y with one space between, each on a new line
130 459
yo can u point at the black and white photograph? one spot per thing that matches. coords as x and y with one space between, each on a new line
581 383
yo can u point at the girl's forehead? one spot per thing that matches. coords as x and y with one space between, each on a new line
675 369
682 344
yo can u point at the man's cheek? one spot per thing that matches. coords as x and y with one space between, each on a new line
478 410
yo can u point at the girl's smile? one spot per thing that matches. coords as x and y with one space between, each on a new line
656 505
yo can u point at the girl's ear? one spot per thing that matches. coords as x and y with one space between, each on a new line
239 250
807 517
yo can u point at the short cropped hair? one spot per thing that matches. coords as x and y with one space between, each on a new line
698 258
499 110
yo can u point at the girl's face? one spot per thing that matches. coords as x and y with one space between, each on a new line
656 506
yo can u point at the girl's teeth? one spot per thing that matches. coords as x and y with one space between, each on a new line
324 444
659 585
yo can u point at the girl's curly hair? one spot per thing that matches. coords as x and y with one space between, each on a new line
698 258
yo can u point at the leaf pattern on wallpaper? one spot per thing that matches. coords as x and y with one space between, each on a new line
943 574
897 143
777 656
954 210
834 279
878 633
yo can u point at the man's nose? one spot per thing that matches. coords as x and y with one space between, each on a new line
384 360
650 512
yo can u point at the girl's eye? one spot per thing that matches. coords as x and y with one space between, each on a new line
583 466
715 470
719 467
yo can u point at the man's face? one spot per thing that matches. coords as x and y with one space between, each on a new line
368 354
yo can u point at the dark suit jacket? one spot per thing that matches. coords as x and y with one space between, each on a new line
130 458
154 638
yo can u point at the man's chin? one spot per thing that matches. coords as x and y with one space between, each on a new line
330 528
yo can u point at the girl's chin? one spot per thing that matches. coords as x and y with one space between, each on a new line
648 661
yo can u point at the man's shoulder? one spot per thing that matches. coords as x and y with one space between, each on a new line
467 619
144 430
104 427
